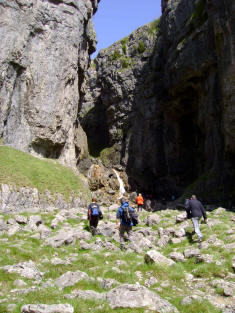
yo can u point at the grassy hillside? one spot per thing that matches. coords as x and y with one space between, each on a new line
23 170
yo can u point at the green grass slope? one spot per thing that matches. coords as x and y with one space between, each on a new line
23 170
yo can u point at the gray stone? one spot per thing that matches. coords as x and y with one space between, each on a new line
177 256
70 278
19 283
136 296
44 308
181 217
154 256
153 219
25 269
86 294
191 253
189 299
21 219
150 281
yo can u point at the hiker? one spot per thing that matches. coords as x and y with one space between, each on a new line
148 205
195 211
140 202
124 221
94 214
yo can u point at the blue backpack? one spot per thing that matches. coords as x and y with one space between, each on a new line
95 210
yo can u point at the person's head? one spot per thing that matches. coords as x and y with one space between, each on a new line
140 194
122 200
193 197
94 199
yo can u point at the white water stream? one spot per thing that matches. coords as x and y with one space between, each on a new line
90 172
121 188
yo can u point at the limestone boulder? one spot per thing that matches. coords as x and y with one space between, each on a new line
154 256
44 308
136 296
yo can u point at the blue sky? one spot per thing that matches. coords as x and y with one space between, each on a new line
116 19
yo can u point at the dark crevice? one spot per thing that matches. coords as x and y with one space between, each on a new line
47 148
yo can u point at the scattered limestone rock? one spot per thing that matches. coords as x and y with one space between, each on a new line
107 283
19 283
21 219
163 241
70 278
207 258
86 294
181 217
228 287
153 219
107 229
13 230
34 221
190 299
150 281
180 233
25 269
190 253
154 256
177 256
44 308
136 296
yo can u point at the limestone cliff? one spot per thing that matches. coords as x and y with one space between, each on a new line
163 99
44 51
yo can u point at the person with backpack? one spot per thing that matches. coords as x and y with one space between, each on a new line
126 218
94 214
140 202
195 211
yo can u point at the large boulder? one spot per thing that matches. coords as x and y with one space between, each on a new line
136 296
154 256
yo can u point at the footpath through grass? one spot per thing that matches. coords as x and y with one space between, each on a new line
23 170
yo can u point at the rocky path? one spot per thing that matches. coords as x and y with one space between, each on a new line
51 263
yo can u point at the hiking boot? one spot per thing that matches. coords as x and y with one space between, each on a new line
200 239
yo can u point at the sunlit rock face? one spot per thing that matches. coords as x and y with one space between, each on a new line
163 99
44 51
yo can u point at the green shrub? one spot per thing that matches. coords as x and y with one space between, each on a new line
125 62
141 47
124 48
154 26
199 15
115 56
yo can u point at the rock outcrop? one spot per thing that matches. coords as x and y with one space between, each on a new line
44 51
161 101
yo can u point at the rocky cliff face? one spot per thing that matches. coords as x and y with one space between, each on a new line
44 51
163 100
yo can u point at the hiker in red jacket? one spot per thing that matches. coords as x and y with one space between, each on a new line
140 202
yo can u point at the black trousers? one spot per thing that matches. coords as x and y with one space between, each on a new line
93 223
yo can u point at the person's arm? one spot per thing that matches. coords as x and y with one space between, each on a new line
203 213
118 219
89 212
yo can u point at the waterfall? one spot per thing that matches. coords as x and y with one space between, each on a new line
90 172
122 188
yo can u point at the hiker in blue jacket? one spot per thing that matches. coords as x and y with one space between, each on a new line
94 214
123 222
